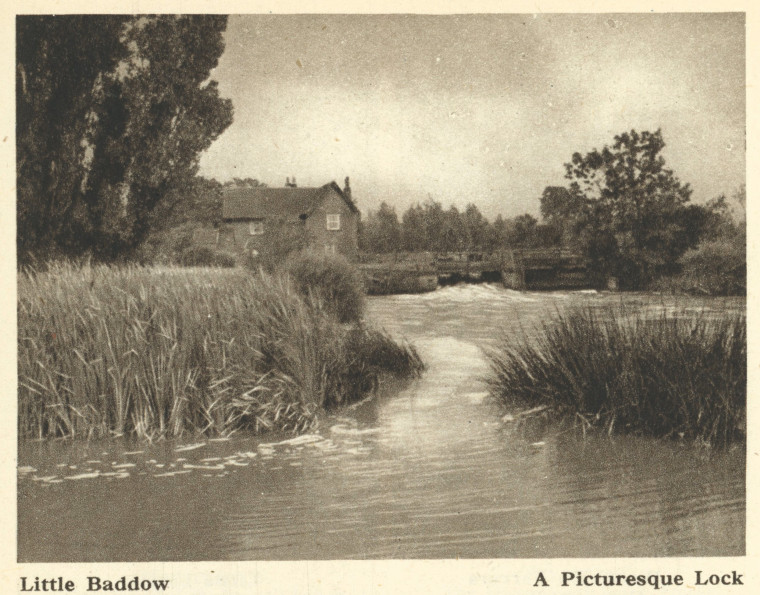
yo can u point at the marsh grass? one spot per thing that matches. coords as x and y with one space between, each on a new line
330 278
620 370
160 352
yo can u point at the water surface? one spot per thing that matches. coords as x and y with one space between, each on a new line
423 470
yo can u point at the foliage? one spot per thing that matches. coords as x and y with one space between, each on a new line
626 210
236 182
381 232
560 209
428 227
626 371
159 352
52 114
331 279
718 265
523 228
199 201
283 239
113 113
178 219
474 226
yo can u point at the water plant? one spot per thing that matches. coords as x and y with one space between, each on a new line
629 371
164 351
330 278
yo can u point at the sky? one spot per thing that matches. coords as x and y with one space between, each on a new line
481 109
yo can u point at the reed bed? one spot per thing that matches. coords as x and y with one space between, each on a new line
626 371
159 352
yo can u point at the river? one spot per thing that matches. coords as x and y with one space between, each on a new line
422 470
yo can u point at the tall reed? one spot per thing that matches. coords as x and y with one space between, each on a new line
160 352
661 376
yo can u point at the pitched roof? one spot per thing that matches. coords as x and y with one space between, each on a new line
263 202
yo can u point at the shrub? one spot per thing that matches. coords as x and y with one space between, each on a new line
331 279
715 268
663 377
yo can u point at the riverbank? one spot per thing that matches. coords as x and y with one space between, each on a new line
624 371
160 352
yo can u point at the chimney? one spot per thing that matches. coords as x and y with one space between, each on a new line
347 190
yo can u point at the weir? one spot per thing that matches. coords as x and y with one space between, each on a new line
544 269
527 269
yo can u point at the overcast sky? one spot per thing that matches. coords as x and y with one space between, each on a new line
476 108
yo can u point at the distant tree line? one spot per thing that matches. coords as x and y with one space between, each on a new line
430 227
113 113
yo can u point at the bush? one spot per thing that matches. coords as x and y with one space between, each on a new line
164 351
663 377
331 279
715 268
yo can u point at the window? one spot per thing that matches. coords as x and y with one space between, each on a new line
333 222
256 228
330 249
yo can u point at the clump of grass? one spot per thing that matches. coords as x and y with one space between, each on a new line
330 278
367 354
625 371
161 352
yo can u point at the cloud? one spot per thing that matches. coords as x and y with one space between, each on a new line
482 108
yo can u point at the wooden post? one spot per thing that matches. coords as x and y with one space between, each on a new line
512 272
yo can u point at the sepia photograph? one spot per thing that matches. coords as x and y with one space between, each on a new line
341 286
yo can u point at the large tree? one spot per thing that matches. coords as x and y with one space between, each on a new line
113 114
630 213
60 62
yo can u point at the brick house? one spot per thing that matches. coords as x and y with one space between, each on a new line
324 219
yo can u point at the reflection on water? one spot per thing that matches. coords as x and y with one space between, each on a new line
424 470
